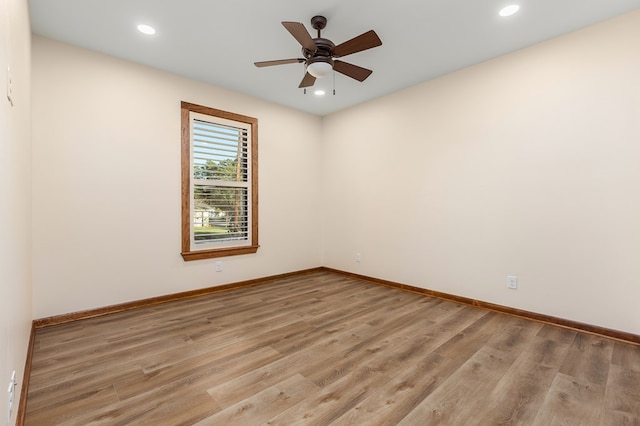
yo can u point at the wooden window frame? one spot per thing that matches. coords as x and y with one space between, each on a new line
187 252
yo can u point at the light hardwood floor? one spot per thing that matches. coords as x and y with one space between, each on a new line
323 349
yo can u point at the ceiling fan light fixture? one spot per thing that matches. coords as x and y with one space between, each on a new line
320 68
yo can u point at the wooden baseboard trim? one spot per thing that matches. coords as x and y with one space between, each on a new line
26 376
547 319
76 316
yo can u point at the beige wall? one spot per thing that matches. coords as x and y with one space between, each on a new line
15 197
106 181
526 165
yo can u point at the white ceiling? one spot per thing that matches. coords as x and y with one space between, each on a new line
217 41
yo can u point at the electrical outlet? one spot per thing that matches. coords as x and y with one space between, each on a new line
358 257
11 393
512 282
218 266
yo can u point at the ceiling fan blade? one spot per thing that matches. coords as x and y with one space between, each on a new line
350 70
362 42
300 33
307 81
278 62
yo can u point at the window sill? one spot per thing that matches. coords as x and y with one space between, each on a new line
225 252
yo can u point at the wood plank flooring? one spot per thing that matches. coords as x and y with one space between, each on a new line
323 349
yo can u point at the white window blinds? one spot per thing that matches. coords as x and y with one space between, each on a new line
221 183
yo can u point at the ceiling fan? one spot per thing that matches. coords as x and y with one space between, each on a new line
320 53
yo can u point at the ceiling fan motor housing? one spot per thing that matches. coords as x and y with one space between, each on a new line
323 54
324 47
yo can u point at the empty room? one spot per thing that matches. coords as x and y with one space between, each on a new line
352 212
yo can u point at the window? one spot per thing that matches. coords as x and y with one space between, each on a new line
219 183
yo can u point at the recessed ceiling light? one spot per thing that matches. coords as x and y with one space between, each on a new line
146 29
319 93
509 10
